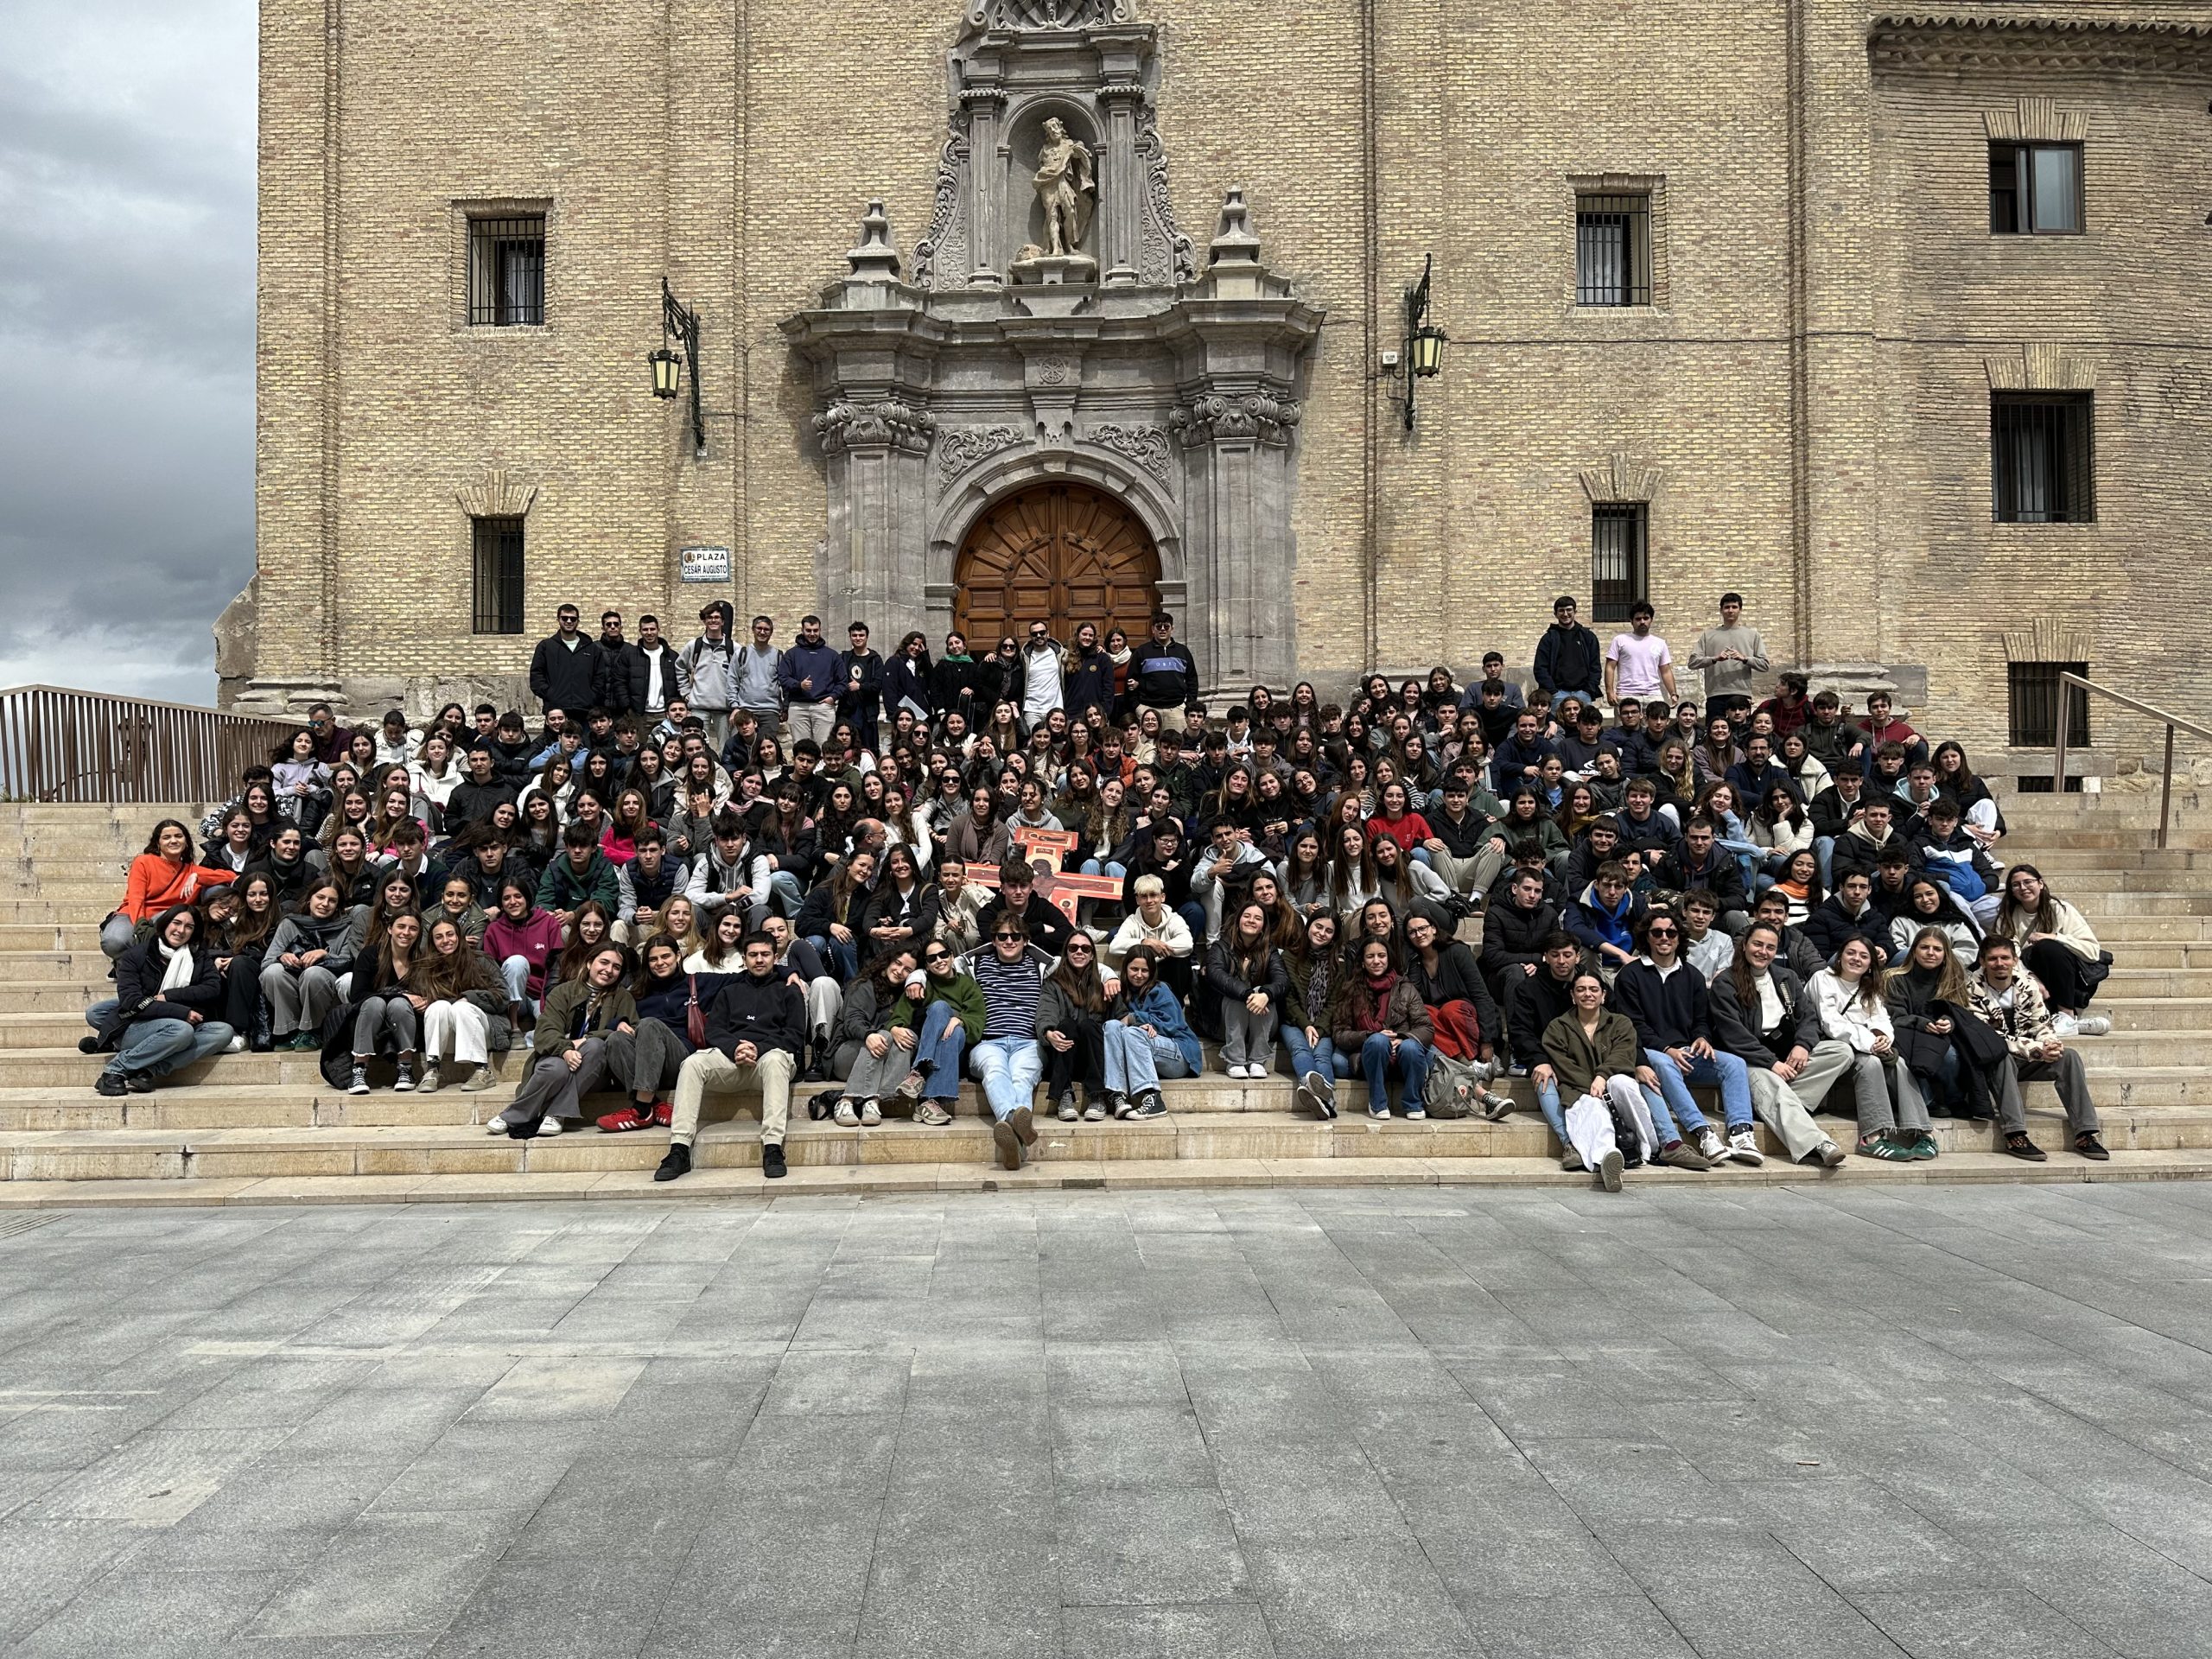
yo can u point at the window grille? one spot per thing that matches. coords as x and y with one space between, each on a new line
1618 573
2043 459
498 548
507 271
2033 692
1612 250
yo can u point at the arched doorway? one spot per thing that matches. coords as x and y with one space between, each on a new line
1064 553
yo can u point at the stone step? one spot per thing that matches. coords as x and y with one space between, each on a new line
51 936
144 814
2113 930
45 911
807 1181
168 1153
2196 839
84 968
2135 980
2178 862
2161 956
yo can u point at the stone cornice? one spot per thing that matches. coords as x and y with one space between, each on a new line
2014 41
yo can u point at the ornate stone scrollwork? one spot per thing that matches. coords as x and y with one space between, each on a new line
1048 13
941 256
1145 445
886 423
961 448
1166 254
1219 417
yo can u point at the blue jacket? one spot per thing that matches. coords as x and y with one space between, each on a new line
822 663
1159 1008
1507 760
1591 923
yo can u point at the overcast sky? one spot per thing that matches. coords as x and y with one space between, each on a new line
126 337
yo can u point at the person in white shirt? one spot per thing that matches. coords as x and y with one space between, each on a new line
1637 662
1043 680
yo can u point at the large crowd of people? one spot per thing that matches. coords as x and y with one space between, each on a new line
739 866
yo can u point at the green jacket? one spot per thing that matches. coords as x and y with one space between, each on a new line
562 888
565 1001
961 990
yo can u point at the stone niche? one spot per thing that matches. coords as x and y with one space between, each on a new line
993 361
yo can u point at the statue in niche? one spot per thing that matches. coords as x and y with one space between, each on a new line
1067 190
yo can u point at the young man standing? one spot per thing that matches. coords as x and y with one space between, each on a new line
809 677
1729 655
706 676
1638 664
755 1025
1568 656
758 678
1043 685
613 675
860 697
649 672
564 670
1164 673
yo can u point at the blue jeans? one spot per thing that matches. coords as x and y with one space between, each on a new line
1411 1063
785 888
1321 1057
1824 855
1008 1068
1104 867
1726 1070
515 971
1135 1062
157 1047
844 960
941 1041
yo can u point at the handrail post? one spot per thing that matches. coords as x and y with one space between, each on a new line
2166 789
2065 708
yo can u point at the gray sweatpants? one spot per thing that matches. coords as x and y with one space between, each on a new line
299 1001
1870 1077
378 1013
646 1061
2066 1074
553 1090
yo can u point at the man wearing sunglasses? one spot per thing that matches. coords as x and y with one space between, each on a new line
1007 1062
1044 675
1667 1002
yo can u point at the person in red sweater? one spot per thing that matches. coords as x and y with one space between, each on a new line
162 877
1396 818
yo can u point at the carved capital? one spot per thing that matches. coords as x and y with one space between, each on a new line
884 425
1048 13
1243 418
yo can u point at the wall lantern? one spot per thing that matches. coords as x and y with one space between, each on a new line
680 324
1424 348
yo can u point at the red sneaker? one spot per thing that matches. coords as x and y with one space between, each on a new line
663 1114
623 1121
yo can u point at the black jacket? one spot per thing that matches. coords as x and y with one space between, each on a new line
1831 815
1828 927
1533 1002
1570 659
766 1012
1089 679
1736 1027
1669 1013
637 674
474 803
1046 922
565 679
139 995
860 702
1722 877
1163 677
1513 937
1225 977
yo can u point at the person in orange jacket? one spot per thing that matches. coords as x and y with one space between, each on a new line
162 877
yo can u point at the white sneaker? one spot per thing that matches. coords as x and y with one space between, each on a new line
2065 1024
1093 1112
1234 1068
236 1046
497 1125
1743 1148
2093 1025
871 1113
1711 1145
547 1126
847 1116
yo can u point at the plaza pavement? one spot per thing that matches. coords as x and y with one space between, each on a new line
1776 1424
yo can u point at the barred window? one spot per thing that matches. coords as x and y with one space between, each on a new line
2033 692
507 271
1612 250
1618 573
499 547
2043 458
2035 189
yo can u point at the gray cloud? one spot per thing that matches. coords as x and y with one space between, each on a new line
126 337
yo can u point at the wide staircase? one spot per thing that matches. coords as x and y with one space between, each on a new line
266 1128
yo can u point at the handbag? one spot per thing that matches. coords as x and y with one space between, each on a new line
694 1017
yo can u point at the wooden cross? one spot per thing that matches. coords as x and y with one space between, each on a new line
1044 849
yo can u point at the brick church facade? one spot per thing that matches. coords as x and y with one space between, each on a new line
1894 323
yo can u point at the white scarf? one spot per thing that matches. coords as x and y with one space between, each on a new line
178 972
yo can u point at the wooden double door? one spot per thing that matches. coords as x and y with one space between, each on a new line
1065 554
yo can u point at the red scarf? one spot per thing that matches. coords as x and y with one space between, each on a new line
1378 990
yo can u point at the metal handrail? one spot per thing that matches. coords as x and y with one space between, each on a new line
57 744
2173 723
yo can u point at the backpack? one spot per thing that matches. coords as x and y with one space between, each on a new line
1453 1089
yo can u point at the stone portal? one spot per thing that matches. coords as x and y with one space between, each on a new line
992 365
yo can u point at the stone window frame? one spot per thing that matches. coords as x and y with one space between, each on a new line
2040 123
2038 650
1653 187
464 211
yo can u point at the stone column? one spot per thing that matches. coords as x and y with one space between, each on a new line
1121 106
875 554
1236 475
986 184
